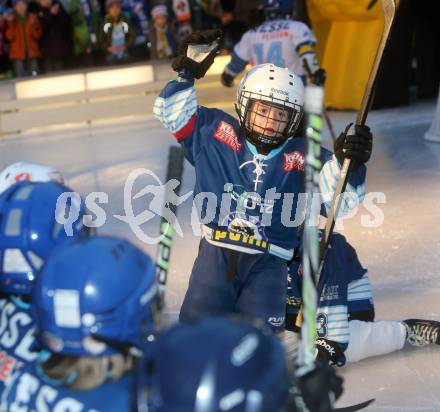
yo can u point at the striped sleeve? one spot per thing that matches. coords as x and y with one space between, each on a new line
355 190
333 324
176 108
360 289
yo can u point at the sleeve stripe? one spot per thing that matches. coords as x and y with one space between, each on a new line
358 285
189 105
306 42
177 110
186 130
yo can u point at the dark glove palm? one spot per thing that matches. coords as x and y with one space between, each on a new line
320 387
355 143
203 38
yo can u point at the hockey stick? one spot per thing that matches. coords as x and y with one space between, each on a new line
389 10
174 171
354 408
324 111
310 258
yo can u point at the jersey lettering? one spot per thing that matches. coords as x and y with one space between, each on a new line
12 324
45 400
274 53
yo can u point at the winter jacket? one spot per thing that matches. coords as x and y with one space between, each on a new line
170 35
106 31
56 40
85 15
16 37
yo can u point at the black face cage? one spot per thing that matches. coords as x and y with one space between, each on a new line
295 113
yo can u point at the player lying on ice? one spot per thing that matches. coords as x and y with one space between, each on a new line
241 266
347 331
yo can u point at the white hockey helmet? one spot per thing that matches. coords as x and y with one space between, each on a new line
274 85
32 172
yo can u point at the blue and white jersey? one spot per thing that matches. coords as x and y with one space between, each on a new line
283 43
248 201
28 392
16 338
345 289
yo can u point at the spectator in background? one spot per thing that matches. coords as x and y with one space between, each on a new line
211 12
23 31
137 11
4 60
162 34
86 20
116 33
182 12
56 41
237 17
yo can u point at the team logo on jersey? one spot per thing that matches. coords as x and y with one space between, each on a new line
321 325
8 365
22 176
293 161
329 292
276 321
227 134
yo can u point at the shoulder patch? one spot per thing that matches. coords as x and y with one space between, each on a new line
293 161
226 133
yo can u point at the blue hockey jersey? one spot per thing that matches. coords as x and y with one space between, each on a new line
16 338
247 201
282 42
27 391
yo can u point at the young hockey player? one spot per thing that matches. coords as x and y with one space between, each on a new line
235 366
347 331
32 172
249 165
28 233
93 303
280 41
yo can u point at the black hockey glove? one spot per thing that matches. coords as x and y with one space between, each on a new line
319 77
355 143
227 80
319 389
330 352
197 52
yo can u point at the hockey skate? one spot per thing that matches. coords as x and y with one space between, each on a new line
422 332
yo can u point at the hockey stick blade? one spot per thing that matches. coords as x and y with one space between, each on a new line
174 171
389 10
356 407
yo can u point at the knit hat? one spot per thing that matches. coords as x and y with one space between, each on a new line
14 2
159 10
108 3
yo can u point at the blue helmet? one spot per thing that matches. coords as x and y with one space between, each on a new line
29 231
275 9
95 296
218 365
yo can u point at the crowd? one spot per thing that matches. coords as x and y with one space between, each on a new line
43 36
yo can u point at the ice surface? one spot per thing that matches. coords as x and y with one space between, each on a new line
402 254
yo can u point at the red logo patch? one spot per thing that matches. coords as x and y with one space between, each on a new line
293 161
7 366
227 134
22 176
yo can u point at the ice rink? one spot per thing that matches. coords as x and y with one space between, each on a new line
402 254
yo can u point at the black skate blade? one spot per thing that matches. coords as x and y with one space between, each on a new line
356 407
